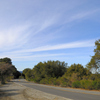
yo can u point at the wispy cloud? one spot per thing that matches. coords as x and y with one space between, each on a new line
83 15
27 53
13 37
30 57
21 34
79 16
36 29
78 44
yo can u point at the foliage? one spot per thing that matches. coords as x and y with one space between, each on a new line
28 74
76 84
87 84
26 70
49 69
76 72
6 60
7 70
76 76
94 64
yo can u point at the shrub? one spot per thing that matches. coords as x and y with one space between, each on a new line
96 85
64 84
44 81
76 84
86 84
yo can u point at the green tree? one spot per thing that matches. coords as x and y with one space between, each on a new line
29 75
6 70
6 60
49 69
77 71
25 72
94 64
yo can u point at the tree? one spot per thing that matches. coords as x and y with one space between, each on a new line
94 64
25 71
29 75
5 71
77 71
6 60
49 69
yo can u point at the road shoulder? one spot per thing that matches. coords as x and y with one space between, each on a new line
14 91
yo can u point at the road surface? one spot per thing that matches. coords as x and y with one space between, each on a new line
74 94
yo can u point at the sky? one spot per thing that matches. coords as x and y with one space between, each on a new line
33 31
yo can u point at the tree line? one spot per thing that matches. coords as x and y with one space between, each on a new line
59 73
7 70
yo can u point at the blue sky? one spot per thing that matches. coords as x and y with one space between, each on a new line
40 30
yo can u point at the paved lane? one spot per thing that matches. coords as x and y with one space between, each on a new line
70 93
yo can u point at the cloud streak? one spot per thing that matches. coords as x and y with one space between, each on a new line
47 29
79 44
26 54
13 37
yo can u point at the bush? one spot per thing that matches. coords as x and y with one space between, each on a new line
52 81
86 84
89 84
63 81
76 84
96 85
44 81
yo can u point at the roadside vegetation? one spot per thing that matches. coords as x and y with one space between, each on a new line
7 70
60 74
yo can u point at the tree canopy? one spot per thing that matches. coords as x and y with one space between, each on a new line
77 68
47 69
58 73
6 60
94 64
7 70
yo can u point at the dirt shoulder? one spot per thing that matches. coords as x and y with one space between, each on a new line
13 91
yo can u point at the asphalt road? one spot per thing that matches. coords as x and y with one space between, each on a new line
74 94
